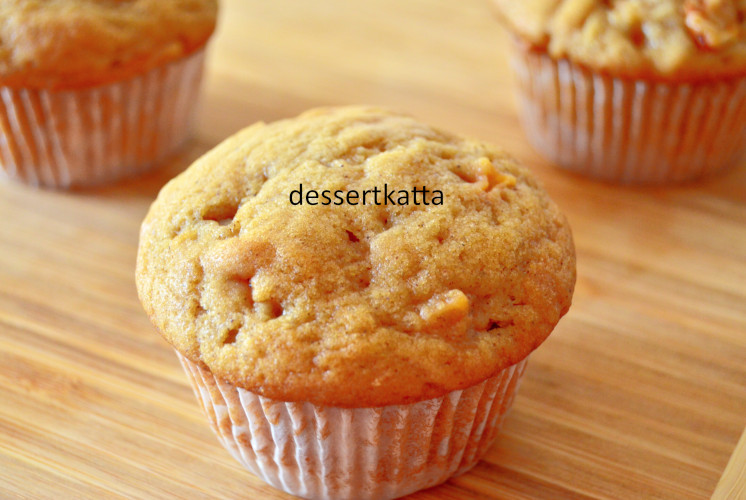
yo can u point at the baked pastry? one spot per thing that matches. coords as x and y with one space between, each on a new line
635 91
354 296
95 90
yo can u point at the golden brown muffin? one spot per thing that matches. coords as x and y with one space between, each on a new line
62 44
664 39
96 90
345 304
632 91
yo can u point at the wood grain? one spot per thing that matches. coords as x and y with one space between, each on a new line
639 393
732 483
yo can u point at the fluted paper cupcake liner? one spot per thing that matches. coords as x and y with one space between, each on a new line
91 136
629 131
324 452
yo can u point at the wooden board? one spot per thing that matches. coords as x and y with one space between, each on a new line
732 483
639 393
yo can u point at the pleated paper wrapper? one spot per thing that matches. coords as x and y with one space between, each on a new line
323 452
96 135
629 131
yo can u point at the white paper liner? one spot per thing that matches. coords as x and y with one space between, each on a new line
363 453
629 131
82 137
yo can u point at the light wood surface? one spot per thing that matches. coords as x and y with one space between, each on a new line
732 483
639 393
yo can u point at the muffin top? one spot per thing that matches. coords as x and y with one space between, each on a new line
346 297
64 44
652 39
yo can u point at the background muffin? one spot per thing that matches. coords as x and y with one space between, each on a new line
632 90
363 348
95 90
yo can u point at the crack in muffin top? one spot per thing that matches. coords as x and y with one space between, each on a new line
354 305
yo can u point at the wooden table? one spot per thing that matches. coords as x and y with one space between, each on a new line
639 393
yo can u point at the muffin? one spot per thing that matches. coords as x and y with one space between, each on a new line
632 91
354 295
95 90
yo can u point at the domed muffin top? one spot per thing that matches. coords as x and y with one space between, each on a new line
67 44
354 257
653 39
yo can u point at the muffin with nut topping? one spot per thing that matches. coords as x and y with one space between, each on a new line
634 91
348 342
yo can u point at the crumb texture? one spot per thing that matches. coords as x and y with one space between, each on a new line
665 39
346 305
64 44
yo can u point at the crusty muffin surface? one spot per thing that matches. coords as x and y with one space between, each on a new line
354 305
670 40
69 44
